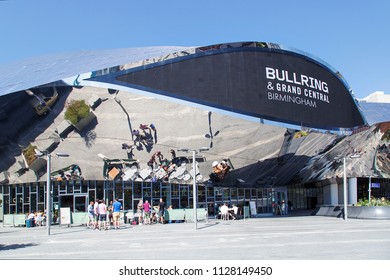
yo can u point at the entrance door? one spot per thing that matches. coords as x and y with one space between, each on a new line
279 196
66 201
80 203
311 202
262 201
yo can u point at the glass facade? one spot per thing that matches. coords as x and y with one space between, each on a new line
27 197
380 188
24 198
305 196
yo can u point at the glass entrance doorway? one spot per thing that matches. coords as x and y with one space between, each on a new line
279 201
76 203
270 200
66 201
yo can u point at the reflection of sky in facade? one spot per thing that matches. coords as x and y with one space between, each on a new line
375 112
41 70
38 71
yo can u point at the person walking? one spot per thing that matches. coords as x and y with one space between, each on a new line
109 215
140 208
146 207
283 208
235 211
102 214
161 210
91 215
116 208
96 213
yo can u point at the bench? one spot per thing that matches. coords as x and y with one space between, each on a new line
174 215
79 218
201 214
14 220
186 214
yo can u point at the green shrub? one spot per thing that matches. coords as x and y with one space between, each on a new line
374 202
301 133
77 110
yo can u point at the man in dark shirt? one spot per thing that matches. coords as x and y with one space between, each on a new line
161 210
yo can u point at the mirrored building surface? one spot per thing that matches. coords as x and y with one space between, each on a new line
278 128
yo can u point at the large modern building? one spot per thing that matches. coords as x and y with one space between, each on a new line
282 120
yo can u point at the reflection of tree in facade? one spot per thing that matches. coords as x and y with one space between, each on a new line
147 192
211 135
165 193
175 190
156 190
201 194
90 138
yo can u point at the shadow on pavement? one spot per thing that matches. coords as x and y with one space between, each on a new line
208 225
16 246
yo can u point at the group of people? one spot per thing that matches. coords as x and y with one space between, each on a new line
72 173
36 218
156 159
163 167
281 208
146 214
168 166
101 216
143 135
227 213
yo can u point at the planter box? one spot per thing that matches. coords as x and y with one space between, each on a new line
85 121
36 165
355 212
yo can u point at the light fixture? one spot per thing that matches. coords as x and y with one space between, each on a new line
194 192
40 153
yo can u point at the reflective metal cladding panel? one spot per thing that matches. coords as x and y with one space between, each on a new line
375 112
261 82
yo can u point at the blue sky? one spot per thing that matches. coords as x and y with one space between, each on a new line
351 36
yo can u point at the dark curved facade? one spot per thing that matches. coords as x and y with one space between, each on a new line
251 79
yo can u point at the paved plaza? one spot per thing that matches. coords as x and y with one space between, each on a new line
266 238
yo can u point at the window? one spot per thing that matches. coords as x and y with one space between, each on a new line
128 197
